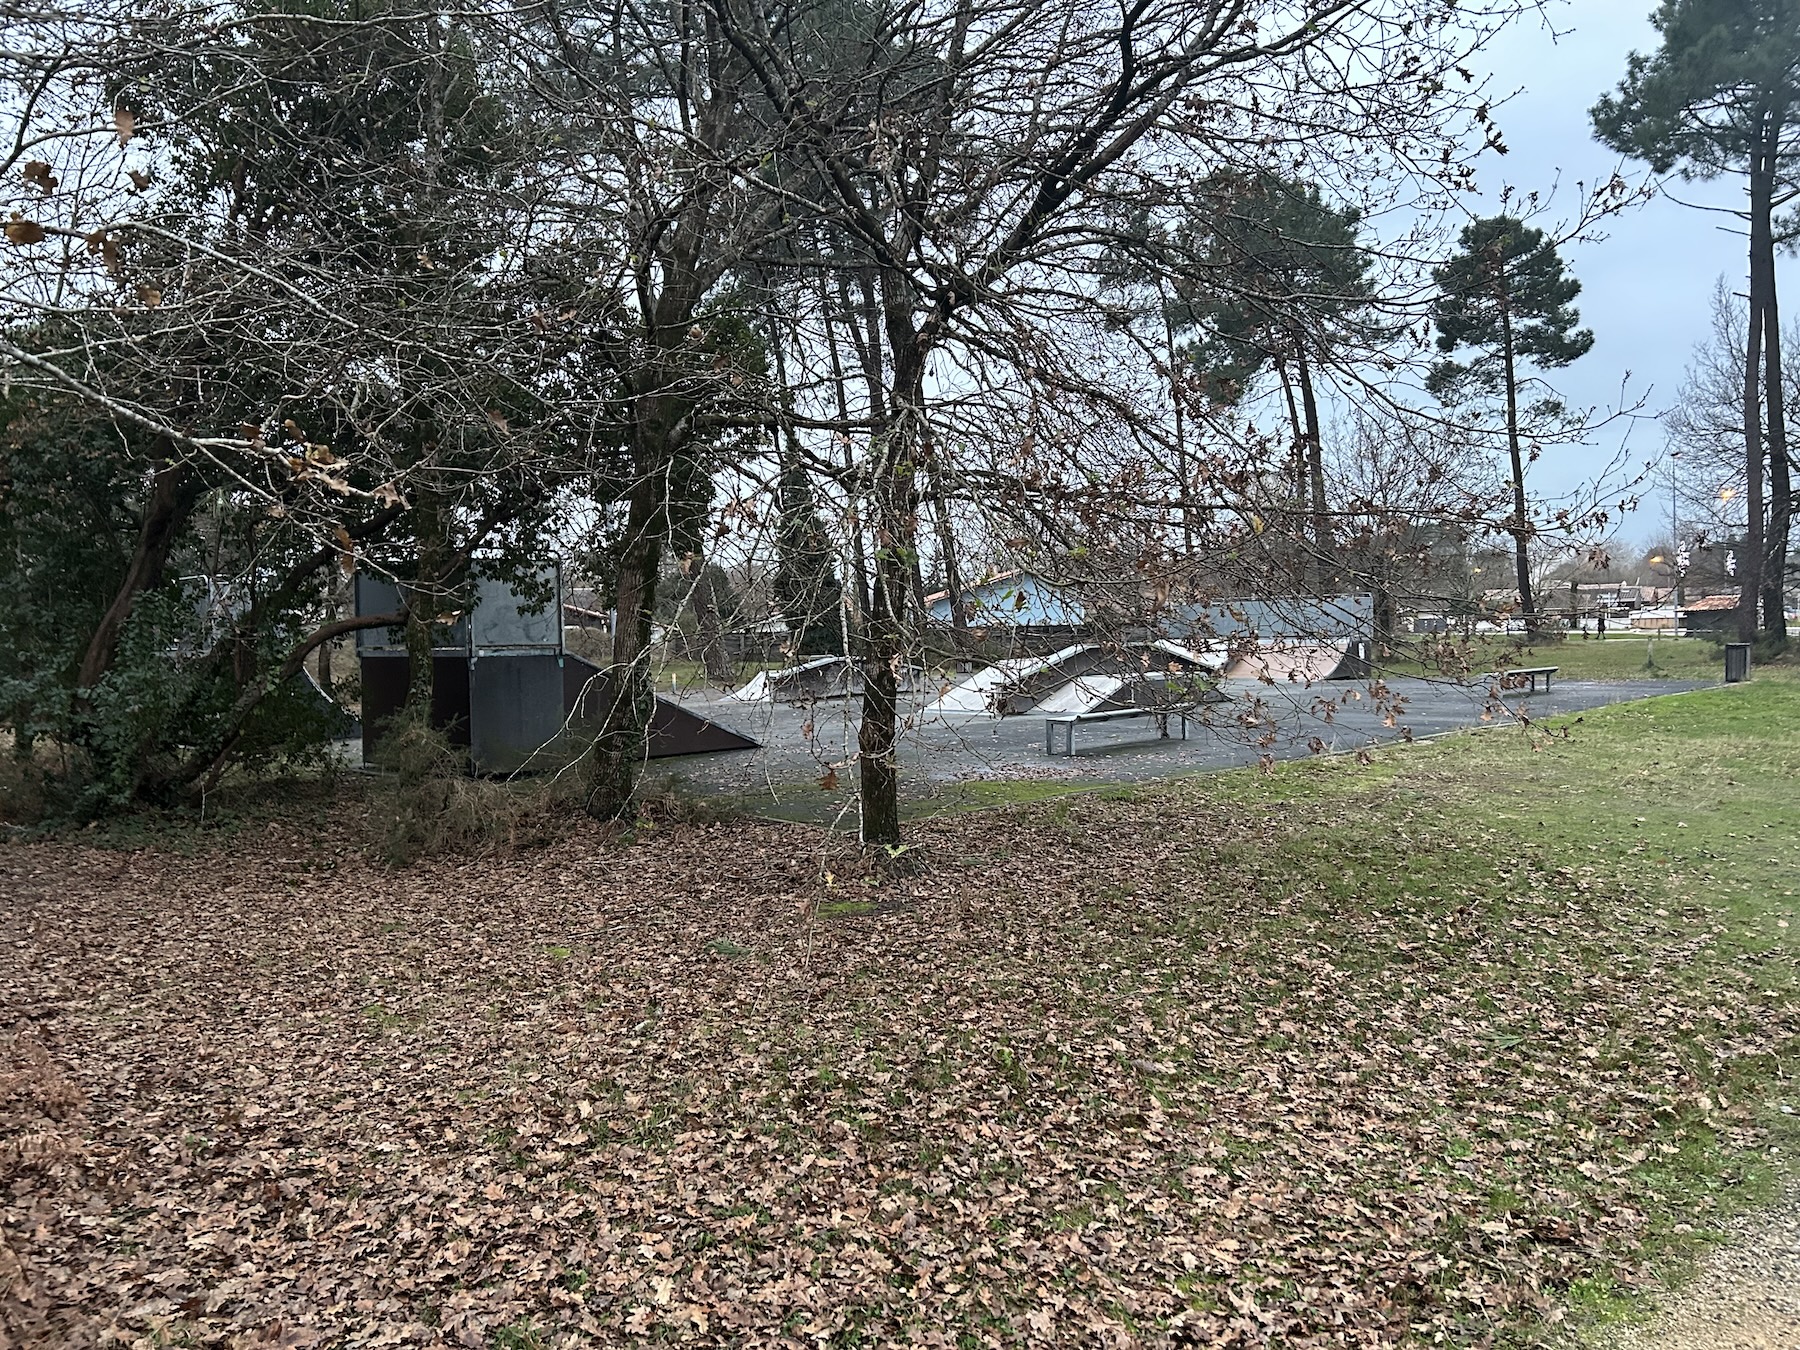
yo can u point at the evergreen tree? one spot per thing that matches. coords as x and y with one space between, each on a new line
807 589
1505 294
1722 96
1281 282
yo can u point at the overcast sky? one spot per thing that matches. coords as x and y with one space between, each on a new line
1647 289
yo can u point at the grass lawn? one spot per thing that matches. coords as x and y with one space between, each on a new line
672 674
1614 658
1459 1047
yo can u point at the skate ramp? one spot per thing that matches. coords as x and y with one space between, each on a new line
1103 693
821 677
1015 684
673 730
1302 662
1293 618
1212 660
1086 693
1082 678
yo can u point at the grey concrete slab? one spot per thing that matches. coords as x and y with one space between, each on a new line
803 744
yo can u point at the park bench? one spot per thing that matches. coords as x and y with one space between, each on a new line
1062 729
1509 679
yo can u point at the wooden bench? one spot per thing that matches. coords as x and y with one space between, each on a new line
1530 674
1065 724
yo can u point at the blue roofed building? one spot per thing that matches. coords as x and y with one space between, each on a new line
1013 600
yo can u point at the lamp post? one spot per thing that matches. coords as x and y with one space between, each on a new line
1678 566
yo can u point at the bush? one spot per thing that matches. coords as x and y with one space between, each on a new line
1767 651
432 805
24 796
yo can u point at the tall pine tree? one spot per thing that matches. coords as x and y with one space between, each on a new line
1506 295
1722 96
1283 282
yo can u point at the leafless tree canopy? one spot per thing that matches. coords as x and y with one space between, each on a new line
847 301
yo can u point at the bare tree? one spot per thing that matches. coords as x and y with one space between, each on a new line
1705 426
971 154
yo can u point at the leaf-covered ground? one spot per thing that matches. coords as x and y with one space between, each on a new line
1339 1056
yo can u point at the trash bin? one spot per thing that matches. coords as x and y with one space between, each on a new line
1737 662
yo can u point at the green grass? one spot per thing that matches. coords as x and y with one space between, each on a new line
1622 658
1686 803
519 1335
1696 789
844 909
685 675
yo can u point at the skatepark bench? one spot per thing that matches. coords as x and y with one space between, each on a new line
1530 674
1062 729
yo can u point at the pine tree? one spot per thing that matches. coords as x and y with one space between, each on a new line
807 589
1722 96
1506 294
1285 282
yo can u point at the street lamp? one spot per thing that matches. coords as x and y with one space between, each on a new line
1678 573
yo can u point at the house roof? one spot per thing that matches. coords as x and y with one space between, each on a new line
1712 603
994 580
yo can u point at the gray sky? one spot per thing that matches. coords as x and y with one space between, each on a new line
1647 289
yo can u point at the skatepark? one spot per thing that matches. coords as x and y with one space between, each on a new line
1245 719
1231 684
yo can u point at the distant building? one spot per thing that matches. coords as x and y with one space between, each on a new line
1013 600
1317 618
1711 614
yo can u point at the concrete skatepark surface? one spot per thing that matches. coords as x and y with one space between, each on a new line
801 744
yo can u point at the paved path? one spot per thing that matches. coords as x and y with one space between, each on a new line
803 744
1745 1296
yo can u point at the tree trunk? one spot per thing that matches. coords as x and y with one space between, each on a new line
856 593
1303 566
1383 616
895 506
164 509
1323 543
1520 524
713 656
619 746
1775 550
332 605
423 603
1181 456
946 536
1761 248
204 768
